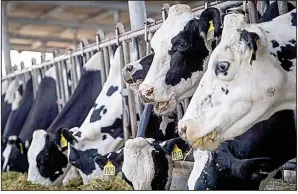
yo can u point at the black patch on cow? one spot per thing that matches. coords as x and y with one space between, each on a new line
83 160
50 161
112 90
97 114
294 19
293 41
287 53
78 134
274 43
104 137
115 157
115 130
161 167
267 31
145 62
226 91
190 58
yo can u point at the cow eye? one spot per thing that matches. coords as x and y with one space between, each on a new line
222 66
183 45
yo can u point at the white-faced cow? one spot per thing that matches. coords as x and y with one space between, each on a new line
48 163
42 113
251 75
179 62
102 130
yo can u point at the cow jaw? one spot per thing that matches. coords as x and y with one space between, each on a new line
166 107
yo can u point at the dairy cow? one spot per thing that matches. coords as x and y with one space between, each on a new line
42 158
101 131
250 76
43 111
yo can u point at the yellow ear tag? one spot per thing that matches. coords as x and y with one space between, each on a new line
177 153
109 169
250 57
210 33
63 141
21 148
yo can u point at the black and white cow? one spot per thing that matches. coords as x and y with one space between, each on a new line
237 164
16 120
42 113
179 62
41 158
102 130
10 95
251 76
4 88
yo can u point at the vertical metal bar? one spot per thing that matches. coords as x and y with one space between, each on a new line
282 7
252 11
5 39
100 35
59 93
106 60
34 78
61 82
261 7
245 11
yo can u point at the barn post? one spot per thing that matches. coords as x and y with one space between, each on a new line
99 37
5 39
138 16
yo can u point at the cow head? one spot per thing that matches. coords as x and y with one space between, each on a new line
248 79
180 51
148 165
134 73
15 156
220 170
47 162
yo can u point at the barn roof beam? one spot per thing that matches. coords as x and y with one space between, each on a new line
66 24
40 38
121 6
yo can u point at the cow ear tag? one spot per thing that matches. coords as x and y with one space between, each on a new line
21 148
210 33
63 141
251 53
109 169
177 153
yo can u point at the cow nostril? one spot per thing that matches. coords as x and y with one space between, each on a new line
129 68
183 129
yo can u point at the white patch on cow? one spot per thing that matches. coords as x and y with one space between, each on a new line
12 88
13 137
164 123
91 135
37 145
51 73
93 64
137 151
200 160
256 91
6 154
16 101
71 175
4 87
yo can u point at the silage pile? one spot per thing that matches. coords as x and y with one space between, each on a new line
18 181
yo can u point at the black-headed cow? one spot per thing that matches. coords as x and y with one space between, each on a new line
250 76
42 159
179 62
42 113
102 130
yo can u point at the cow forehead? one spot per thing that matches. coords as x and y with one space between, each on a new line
170 28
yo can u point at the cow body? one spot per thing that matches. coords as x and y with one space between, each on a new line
43 111
102 130
237 90
72 115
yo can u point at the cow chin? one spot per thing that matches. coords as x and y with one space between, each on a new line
166 107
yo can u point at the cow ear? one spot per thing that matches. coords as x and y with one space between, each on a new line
67 135
210 20
251 40
100 160
172 143
20 146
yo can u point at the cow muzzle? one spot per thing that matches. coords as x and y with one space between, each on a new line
146 93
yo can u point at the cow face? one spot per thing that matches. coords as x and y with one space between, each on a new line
249 78
134 73
181 50
47 162
15 156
